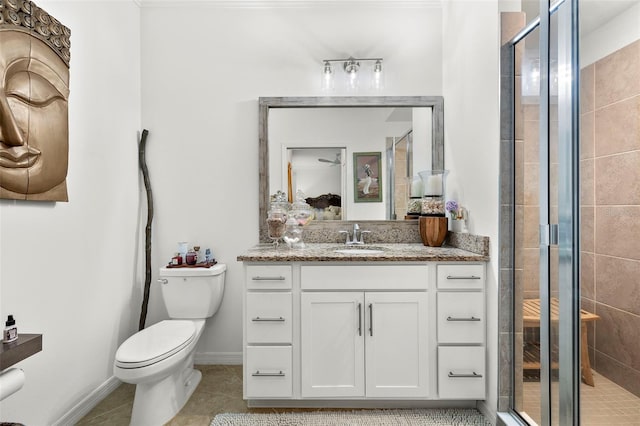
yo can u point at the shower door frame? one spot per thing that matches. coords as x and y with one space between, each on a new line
564 234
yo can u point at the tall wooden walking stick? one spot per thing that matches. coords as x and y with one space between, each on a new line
147 231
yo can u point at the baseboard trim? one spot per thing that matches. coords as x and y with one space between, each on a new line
486 411
85 405
218 358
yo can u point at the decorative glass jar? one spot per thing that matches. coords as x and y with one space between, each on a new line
433 190
301 213
276 223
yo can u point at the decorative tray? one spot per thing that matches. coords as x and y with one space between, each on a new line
197 265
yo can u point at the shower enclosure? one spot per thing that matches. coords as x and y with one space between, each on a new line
399 170
568 283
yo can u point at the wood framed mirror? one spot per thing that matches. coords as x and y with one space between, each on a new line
306 126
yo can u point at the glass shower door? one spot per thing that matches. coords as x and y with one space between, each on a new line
546 298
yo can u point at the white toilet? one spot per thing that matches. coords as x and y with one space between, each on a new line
159 359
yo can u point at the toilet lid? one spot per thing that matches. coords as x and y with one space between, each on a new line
155 343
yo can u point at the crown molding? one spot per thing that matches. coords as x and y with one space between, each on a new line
264 4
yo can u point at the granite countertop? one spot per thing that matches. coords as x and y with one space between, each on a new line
325 252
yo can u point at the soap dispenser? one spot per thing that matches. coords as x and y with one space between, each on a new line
10 330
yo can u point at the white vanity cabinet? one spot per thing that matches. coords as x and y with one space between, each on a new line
461 321
364 344
268 336
393 331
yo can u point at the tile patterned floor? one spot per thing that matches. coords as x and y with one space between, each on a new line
220 391
605 404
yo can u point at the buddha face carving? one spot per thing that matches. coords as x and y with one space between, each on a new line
34 132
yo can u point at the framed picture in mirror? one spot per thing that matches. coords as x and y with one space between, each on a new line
367 170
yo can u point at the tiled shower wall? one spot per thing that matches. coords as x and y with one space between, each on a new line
610 212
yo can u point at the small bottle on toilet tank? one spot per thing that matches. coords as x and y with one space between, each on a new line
10 330
176 260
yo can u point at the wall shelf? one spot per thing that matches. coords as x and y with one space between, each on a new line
14 352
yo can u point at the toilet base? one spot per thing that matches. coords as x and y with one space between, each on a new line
156 403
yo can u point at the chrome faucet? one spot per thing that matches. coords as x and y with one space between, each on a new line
355 240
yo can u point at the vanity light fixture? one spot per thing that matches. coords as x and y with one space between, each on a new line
353 74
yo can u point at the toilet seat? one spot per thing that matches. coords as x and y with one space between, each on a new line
154 344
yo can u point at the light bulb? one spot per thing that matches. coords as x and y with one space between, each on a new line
378 76
327 81
351 68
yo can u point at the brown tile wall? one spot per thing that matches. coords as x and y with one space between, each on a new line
512 129
610 212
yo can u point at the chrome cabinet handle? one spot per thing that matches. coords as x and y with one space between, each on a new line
472 375
281 278
463 319
453 277
163 280
370 319
359 319
259 374
258 319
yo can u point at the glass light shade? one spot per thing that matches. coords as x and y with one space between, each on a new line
352 80
327 78
377 80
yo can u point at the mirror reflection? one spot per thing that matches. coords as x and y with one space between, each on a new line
312 149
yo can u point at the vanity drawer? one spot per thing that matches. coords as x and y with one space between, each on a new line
461 317
268 372
364 277
461 372
268 277
269 317
460 276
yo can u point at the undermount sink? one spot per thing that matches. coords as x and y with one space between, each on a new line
360 251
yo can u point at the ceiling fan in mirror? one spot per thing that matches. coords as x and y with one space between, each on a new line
337 161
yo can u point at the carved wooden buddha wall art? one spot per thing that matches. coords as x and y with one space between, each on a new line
34 94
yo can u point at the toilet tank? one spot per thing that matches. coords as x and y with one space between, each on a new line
192 293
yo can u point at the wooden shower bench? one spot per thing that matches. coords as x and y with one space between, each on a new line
531 318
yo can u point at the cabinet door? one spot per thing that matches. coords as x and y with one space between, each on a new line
332 345
268 372
461 372
268 317
396 344
461 317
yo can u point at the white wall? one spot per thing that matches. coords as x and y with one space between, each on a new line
201 84
68 270
611 36
471 34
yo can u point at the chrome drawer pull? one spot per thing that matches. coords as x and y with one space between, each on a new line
463 319
472 375
258 319
359 319
453 277
281 278
259 374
